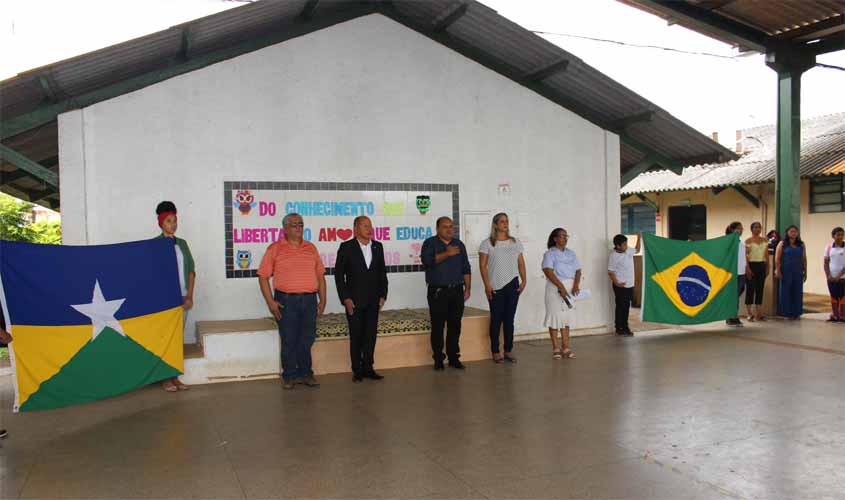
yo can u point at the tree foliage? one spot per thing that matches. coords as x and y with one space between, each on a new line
16 225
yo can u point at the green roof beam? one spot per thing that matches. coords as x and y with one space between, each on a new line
635 170
656 157
47 113
22 162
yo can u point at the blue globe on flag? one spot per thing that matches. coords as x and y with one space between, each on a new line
693 285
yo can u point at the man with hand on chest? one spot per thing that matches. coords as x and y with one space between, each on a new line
361 278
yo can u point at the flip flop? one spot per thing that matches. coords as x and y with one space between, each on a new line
169 386
557 355
568 354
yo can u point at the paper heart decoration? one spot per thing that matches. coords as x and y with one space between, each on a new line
344 234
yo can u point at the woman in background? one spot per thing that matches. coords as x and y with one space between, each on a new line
758 267
834 271
791 269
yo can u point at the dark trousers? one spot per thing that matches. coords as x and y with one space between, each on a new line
754 287
446 308
297 332
502 313
363 327
623 297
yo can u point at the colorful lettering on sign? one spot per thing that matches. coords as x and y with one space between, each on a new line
381 233
264 235
392 258
334 234
328 259
266 208
413 233
331 208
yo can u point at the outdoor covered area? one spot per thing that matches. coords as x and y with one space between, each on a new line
697 413
791 36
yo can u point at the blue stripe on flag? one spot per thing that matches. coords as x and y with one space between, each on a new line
41 282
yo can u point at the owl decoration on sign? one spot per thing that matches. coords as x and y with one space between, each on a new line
244 259
244 202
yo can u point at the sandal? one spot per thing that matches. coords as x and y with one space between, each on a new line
497 358
568 354
181 386
557 354
169 386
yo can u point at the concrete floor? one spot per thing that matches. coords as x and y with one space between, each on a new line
709 413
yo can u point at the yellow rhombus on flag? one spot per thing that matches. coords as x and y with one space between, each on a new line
694 270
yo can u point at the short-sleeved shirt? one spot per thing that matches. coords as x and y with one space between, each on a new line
563 262
621 264
295 269
837 258
502 261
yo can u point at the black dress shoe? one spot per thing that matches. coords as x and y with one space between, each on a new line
457 365
372 375
438 365
356 377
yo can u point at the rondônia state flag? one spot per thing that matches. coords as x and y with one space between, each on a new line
90 322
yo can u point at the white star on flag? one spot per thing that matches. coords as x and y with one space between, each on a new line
101 312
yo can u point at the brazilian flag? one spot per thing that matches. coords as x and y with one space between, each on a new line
689 282
90 322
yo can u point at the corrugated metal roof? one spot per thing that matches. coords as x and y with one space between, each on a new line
755 25
822 153
480 34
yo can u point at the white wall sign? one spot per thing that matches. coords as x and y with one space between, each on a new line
403 216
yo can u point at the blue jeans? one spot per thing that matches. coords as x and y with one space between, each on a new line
297 332
502 313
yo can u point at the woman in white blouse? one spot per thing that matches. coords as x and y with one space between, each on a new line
503 272
563 281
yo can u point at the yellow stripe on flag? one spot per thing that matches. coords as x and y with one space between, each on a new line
41 351
668 282
160 333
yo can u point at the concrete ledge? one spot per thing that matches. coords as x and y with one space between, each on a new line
249 349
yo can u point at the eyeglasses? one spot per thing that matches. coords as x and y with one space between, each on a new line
296 224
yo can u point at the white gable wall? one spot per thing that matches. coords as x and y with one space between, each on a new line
366 100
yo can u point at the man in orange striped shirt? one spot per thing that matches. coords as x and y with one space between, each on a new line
298 279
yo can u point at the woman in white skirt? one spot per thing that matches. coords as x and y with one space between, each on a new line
563 280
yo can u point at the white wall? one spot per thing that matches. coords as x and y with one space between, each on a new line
367 100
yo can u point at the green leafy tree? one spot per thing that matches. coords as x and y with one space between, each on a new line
15 224
48 233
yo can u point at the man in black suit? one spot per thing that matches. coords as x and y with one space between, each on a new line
361 278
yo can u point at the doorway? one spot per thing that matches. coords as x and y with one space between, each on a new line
688 223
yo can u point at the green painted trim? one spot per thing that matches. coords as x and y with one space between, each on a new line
449 16
637 169
548 70
645 116
308 11
825 46
707 20
22 162
48 113
187 42
748 196
787 177
648 202
653 155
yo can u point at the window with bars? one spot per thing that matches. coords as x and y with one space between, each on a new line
638 217
826 194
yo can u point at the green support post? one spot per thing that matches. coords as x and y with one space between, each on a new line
789 67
